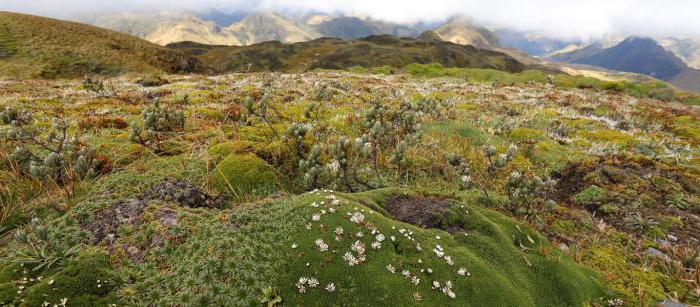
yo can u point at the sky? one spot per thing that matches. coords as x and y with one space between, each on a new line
564 19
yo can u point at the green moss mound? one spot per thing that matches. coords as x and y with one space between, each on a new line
85 281
506 264
244 175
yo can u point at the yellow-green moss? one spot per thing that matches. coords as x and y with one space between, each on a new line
527 134
243 176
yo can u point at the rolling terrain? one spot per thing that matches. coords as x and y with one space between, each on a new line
376 171
334 53
32 47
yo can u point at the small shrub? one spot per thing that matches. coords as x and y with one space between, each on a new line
160 123
152 81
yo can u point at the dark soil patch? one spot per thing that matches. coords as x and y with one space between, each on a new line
184 193
106 222
424 212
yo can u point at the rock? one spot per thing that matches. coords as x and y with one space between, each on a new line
563 247
670 303
656 253
672 237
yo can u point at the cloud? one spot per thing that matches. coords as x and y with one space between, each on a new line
558 18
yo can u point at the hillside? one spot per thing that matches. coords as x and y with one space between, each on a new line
686 49
33 46
637 55
349 27
464 31
334 53
192 29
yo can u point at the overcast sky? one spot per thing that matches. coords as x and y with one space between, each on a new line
560 18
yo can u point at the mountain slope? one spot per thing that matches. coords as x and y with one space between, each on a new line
534 44
686 49
192 29
462 31
640 55
637 55
33 46
334 53
266 26
349 27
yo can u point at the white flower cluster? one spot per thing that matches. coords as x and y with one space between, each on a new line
463 272
303 282
446 289
322 246
357 217
359 248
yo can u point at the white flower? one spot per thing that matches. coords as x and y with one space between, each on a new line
316 217
334 166
391 268
358 247
294 246
436 284
313 282
430 270
449 260
357 217
376 245
339 230
437 237
451 294
314 204
302 289
380 237
359 234
322 246
406 273
308 226
350 259
462 271
331 210
392 238
415 280
330 287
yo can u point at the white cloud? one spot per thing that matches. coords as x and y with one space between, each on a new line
567 19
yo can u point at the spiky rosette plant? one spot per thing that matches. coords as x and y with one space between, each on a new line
159 124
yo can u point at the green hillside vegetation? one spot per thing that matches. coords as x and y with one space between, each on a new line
333 53
38 47
358 189
657 90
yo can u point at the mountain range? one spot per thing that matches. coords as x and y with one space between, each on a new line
638 55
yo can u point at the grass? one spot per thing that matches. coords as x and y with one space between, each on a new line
38 47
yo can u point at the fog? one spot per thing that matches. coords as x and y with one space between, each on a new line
556 18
